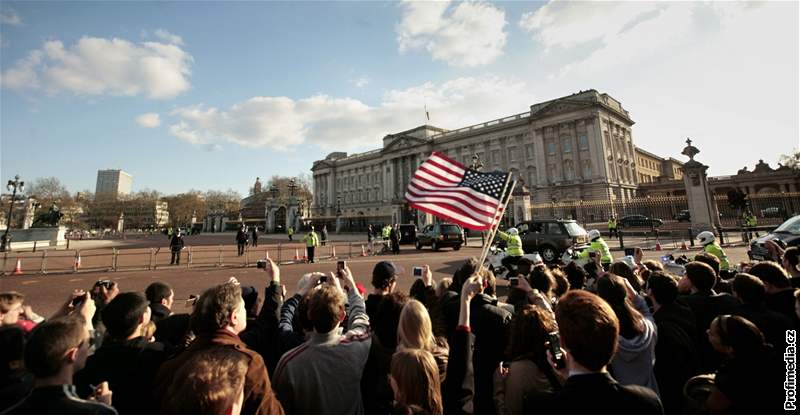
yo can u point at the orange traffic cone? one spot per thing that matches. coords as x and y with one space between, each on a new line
333 251
363 252
658 246
18 269
683 246
296 254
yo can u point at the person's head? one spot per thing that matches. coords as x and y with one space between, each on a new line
706 238
126 316
701 276
463 273
589 329
219 308
12 350
10 307
415 330
561 283
653 265
773 275
210 382
160 293
387 318
529 329
593 235
326 308
791 259
512 231
625 271
542 279
252 302
710 260
736 337
576 276
662 288
443 286
612 289
384 276
415 380
524 266
57 345
749 289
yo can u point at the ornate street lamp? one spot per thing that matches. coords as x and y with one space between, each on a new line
292 187
274 191
338 206
12 186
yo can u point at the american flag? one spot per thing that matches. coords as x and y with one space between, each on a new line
449 190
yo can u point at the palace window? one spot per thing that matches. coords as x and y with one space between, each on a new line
566 145
551 147
529 151
583 142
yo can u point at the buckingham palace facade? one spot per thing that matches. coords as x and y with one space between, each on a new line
577 147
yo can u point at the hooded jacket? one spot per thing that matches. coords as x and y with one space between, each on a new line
633 363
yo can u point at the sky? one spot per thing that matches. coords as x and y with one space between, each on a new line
210 95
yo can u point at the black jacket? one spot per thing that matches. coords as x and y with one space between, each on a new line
771 323
176 243
599 393
61 400
261 333
677 357
706 306
129 366
459 387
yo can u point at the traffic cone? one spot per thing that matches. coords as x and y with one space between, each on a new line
363 252
18 269
658 246
683 246
296 254
333 251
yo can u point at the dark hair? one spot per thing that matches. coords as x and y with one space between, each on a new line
612 289
588 327
524 266
623 270
214 308
701 275
123 314
708 259
542 279
325 307
653 265
12 347
529 329
157 291
742 335
663 287
463 273
576 276
49 341
749 289
771 273
208 383
383 275
792 255
561 282
387 317
592 269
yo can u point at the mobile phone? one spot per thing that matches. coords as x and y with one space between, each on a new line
77 301
513 281
555 349
417 271
104 283
261 263
340 265
630 251
323 279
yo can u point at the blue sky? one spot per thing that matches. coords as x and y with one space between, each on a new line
209 95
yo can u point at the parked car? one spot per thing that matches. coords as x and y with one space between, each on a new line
408 233
633 221
549 237
684 216
773 212
786 235
440 235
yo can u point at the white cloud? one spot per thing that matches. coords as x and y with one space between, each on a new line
10 16
360 82
282 123
471 34
149 120
169 37
98 66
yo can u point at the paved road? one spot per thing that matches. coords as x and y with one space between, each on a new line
46 292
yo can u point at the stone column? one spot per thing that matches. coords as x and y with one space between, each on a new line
701 207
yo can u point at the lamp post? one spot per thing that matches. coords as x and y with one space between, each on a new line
12 186
273 191
292 187
338 214
476 162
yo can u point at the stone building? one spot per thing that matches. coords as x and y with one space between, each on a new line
578 147
652 168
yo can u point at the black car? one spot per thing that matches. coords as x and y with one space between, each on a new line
408 233
683 216
440 235
634 221
786 235
549 237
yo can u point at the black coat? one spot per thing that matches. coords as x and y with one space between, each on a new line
706 307
599 393
261 334
176 243
771 323
677 357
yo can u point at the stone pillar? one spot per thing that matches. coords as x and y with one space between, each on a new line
121 222
30 213
701 206
522 204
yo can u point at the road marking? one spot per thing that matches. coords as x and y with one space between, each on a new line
75 279
29 282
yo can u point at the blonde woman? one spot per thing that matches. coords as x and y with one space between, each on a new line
414 379
415 332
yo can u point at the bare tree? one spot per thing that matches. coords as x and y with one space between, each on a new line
791 160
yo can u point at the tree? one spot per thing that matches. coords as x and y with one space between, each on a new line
303 183
182 206
227 202
49 190
791 160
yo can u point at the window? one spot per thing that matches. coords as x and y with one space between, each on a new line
569 171
511 154
551 173
587 169
551 148
566 145
529 151
496 156
583 142
532 179
553 228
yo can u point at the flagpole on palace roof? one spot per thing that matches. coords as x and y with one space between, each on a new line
493 229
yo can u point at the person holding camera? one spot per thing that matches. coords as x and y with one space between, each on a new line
323 375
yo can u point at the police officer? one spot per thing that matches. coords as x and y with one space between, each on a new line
709 243
513 250
612 227
598 245
175 246
290 232
312 241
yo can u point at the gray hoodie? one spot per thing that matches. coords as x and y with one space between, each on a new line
633 363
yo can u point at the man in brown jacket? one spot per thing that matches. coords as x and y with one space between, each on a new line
218 318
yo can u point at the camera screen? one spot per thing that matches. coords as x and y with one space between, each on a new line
417 271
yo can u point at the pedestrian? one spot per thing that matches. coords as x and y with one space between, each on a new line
324 234
175 246
612 227
241 240
394 237
312 241
370 239
290 232
255 236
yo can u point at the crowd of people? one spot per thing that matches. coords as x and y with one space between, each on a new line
635 339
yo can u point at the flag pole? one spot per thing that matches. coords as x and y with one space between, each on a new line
493 229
